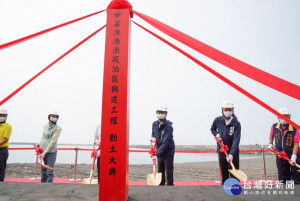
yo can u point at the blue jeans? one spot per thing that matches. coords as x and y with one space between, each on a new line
48 175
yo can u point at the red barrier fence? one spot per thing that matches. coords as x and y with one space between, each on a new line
144 151
76 149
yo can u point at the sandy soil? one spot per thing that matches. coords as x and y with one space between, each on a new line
200 171
182 172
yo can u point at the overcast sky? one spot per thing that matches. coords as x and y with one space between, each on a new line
263 33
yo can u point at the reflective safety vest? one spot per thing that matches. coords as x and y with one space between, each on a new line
284 141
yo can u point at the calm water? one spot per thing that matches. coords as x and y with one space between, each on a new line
68 157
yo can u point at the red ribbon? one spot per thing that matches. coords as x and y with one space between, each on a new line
241 67
227 81
20 40
38 149
42 71
121 4
223 148
282 154
153 150
94 153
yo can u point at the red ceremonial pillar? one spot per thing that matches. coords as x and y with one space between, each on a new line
115 108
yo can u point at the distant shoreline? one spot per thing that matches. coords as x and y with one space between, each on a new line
202 147
178 147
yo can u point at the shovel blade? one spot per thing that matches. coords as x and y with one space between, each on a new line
154 179
88 181
150 179
45 166
238 174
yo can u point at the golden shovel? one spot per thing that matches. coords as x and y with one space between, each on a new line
43 164
239 174
38 151
91 180
154 179
284 156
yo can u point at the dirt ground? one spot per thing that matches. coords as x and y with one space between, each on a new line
182 172
76 192
199 171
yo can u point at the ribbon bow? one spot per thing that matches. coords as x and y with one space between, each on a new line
282 154
153 150
223 148
94 153
38 149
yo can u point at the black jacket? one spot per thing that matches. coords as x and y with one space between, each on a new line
231 133
164 135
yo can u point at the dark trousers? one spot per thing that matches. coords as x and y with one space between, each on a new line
3 160
98 168
287 171
47 174
224 166
166 167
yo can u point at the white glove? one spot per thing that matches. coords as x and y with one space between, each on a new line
153 158
229 158
43 154
270 146
218 136
97 142
293 159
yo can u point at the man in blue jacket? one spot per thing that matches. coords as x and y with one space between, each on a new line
227 128
162 131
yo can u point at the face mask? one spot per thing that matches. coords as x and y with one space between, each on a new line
161 116
53 119
228 114
2 119
282 122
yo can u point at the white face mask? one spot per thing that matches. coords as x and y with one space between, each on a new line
282 122
227 114
2 119
53 119
161 116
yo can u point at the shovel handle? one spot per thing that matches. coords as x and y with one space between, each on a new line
232 165
153 145
220 142
91 177
93 164
279 154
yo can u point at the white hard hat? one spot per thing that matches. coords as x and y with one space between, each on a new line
54 113
162 108
284 111
227 104
3 111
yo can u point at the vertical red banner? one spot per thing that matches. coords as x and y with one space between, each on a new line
115 108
